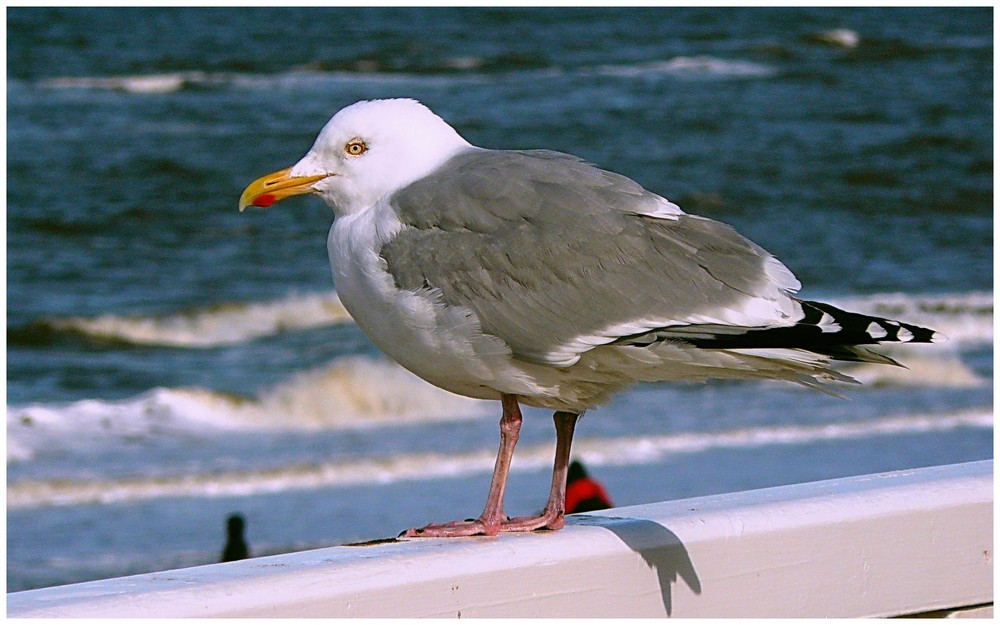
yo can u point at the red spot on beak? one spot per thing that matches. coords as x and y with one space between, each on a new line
264 200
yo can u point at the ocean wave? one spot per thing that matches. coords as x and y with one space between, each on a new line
450 69
221 324
351 392
424 466
924 365
169 82
692 67
140 83
965 318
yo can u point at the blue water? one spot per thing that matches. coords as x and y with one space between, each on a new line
170 360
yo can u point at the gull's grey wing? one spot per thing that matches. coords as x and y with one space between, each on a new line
555 256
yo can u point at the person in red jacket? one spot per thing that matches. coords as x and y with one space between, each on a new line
583 493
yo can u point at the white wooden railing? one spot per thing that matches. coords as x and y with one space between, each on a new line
901 543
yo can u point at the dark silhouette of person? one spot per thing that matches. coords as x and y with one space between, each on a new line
583 493
236 547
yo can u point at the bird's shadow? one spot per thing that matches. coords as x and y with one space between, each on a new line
660 548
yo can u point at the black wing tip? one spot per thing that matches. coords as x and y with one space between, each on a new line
827 330
861 329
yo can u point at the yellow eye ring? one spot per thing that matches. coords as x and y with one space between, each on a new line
356 147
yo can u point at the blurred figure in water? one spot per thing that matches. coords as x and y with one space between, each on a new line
236 547
583 493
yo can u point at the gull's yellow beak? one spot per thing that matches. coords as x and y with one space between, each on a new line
275 187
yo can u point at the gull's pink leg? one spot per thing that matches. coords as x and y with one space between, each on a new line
489 522
553 516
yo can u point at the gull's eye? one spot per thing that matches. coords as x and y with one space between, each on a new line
355 147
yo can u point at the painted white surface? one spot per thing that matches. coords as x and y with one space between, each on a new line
876 545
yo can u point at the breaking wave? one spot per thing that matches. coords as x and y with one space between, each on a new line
352 392
923 365
965 318
222 324
422 466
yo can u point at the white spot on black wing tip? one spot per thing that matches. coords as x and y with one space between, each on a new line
903 335
876 330
828 324
937 337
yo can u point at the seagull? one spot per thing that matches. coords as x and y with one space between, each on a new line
533 277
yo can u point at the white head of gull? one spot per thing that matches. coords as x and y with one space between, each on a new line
531 277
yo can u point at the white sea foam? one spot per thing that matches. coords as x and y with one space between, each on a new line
839 37
349 393
137 83
423 466
222 324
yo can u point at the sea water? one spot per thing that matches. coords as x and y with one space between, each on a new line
171 361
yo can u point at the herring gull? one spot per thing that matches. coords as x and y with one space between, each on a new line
532 277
